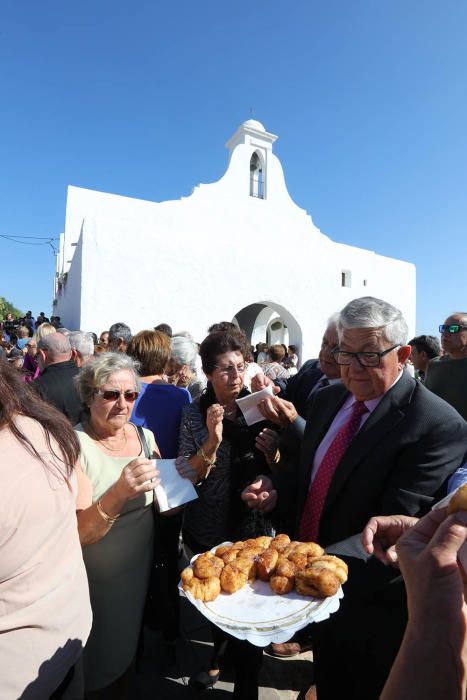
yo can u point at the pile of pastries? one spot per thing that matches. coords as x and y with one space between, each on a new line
287 565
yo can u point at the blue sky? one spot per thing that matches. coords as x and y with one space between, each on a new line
369 100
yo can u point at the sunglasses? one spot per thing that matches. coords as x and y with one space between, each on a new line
114 394
451 328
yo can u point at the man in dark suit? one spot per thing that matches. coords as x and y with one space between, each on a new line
378 444
56 381
314 374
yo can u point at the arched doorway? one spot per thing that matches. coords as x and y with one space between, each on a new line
269 322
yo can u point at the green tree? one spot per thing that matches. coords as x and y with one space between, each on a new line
7 307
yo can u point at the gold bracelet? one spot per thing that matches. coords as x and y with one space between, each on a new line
109 519
210 463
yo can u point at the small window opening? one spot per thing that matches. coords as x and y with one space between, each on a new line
346 278
256 177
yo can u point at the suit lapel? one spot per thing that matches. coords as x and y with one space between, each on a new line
386 416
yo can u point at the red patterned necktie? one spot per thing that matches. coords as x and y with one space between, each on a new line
309 523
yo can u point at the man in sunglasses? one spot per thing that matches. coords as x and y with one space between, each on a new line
447 375
56 382
379 443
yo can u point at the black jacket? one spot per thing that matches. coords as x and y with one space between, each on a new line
56 386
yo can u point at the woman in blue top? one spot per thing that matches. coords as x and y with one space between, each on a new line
159 408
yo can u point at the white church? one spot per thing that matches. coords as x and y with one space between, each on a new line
238 249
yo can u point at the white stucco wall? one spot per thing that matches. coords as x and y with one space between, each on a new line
203 258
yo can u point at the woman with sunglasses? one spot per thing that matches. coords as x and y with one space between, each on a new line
115 520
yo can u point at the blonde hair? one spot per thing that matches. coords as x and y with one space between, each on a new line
43 330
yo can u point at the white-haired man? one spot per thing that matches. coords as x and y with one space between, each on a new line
82 347
380 443
56 381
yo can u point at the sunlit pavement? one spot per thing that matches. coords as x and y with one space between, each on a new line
165 672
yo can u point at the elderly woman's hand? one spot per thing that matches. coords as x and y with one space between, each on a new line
214 417
137 477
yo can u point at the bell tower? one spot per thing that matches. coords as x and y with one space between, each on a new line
252 135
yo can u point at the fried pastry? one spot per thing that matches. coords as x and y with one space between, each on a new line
230 555
285 567
280 542
222 549
201 589
317 581
266 564
334 564
300 560
232 579
281 584
263 541
459 500
207 565
311 549
247 565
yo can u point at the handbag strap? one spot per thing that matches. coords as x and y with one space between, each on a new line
144 442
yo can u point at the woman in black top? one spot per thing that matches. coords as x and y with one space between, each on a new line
224 455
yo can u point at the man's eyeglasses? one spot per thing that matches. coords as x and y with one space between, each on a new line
114 394
365 359
225 371
451 328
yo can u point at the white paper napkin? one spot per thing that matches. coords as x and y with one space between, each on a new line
249 405
173 490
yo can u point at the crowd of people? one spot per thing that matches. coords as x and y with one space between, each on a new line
355 448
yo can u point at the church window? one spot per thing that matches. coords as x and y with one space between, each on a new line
256 176
346 278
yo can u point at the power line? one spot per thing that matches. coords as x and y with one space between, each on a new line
43 240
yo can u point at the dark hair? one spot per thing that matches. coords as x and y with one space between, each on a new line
120 330
164 328
222 326
293 348
152 349
16 397
276 353
218 343
428 344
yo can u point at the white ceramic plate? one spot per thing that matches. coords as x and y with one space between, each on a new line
257 614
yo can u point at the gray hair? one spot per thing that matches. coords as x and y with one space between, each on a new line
82 343
184 351
56 345
333 319
369 312
97 371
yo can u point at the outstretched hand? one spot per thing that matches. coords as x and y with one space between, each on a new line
428 559
260 495
278 411
260 381
381 533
